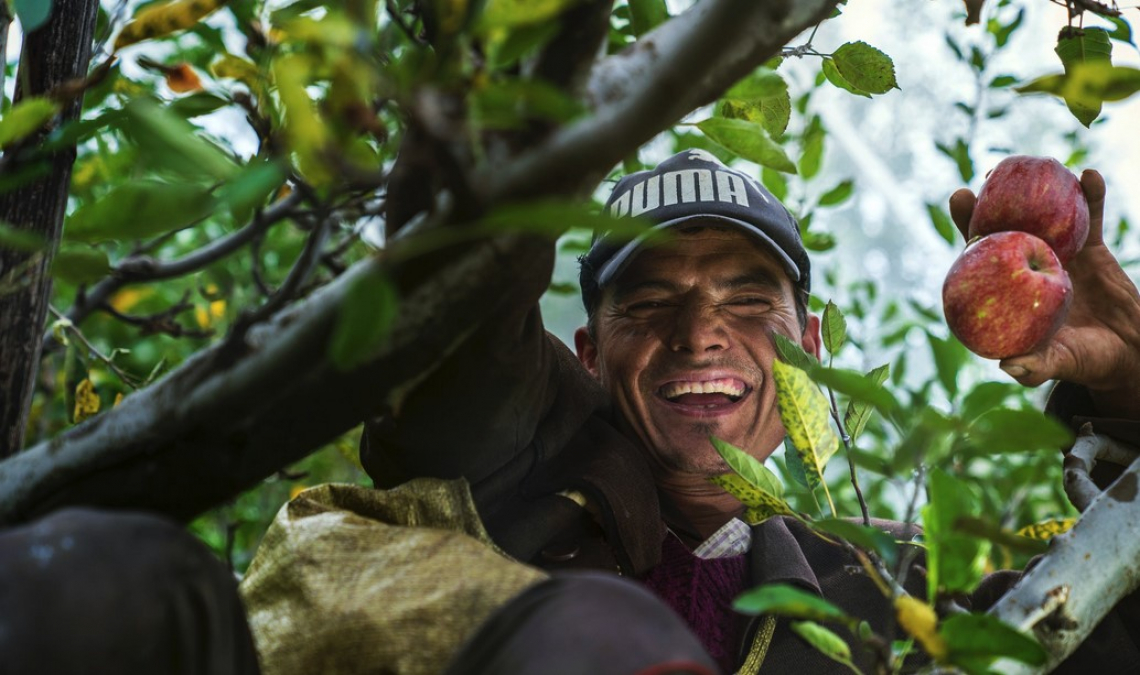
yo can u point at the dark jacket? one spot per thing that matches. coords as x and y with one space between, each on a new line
514 413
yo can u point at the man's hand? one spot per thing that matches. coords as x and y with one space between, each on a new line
1099 345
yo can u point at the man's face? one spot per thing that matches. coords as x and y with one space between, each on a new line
684 345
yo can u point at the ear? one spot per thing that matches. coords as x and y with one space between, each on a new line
811 340
588 351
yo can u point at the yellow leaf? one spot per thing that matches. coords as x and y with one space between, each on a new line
296 490
217 309
806 416
162 19
127 298
202 316
86 400
919 620
1047 529
304 129
118 400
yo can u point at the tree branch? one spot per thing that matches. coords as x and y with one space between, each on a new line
1059 601
137 269
679 66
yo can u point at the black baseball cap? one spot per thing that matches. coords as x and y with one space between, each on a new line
695 185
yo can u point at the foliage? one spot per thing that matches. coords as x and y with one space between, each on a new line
234 157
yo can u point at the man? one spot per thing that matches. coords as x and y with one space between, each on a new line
679 347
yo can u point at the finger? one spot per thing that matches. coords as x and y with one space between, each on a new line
1051 362
1093 185
961 208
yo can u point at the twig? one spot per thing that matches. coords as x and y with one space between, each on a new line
135 269
125 377
850 459
160 322
297 275
394 13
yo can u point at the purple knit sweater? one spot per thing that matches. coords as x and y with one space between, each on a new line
702 591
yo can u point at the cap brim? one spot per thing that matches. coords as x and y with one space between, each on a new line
621 259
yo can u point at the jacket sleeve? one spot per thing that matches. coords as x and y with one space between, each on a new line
479 407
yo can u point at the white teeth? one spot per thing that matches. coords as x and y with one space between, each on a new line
729 386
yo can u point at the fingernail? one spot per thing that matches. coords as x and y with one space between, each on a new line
1016 371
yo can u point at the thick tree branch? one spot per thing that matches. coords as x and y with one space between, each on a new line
681 65
1087 571
212 428
223 421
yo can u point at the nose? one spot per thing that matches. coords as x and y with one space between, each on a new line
698 328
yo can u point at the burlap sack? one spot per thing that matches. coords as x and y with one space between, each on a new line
353 580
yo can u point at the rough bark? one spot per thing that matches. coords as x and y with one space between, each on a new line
217 425
58 51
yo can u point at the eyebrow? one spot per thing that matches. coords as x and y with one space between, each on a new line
759 277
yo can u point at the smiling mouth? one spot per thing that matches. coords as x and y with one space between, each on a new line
707 394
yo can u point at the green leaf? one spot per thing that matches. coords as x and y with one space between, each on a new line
761 83
976 639
196 105
748 467
865 67
986 396
812 144
838 194
786 600
17 239
866 538
139 209
794 354
1078 46
171 143
825 641
834 328
960 153
806 416
250 189
362 324
795 465
1121 30
32 13
502 14
956 562
645 15
1005 430
832 74
24 118
859 411
511 104
949 359
857 386
760 505
80 265
942 223
749 140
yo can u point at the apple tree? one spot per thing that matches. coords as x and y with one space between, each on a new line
233 230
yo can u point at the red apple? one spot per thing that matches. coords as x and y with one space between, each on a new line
1006 294
1037 195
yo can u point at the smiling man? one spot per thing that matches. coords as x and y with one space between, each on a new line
598 460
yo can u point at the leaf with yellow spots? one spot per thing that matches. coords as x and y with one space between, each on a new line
760 505
158 20
1047 529
86 400
806 416
919 621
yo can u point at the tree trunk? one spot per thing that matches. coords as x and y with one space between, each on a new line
58 51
